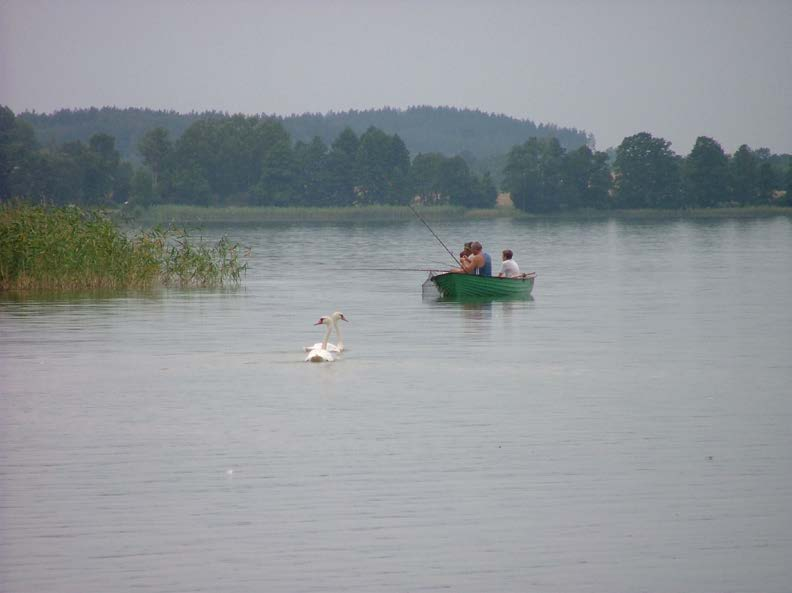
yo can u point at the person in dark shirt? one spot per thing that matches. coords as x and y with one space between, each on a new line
479 263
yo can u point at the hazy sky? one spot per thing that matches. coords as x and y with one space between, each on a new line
614 68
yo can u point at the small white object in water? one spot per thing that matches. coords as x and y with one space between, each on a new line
320 355
229 472
324 352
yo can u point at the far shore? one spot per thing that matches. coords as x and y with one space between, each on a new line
183 214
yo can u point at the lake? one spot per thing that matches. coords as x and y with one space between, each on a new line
626 429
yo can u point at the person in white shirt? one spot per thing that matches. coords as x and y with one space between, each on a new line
509 267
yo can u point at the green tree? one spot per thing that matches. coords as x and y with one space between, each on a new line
766 181
646 173
705 174
438 179
53 176
100 163
277 180
744 170
483 193
597 194
96 166
399 190
346 142
142 187
454 180
237 157
425 177
788 184
340 172
155 147
521 176
585 179
533 175
190 185
382 167
17 147
122 183
311 172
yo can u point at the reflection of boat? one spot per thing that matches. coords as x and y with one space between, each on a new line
467 286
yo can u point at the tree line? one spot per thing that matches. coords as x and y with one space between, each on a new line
238 160
253 160
645 173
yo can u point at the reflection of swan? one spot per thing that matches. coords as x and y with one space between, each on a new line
331 321
324 352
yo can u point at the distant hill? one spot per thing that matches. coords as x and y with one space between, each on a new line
476 135
447 130
127 126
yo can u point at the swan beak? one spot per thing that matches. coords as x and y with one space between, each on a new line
320 322
344 319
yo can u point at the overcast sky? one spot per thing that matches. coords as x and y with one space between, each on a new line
719 68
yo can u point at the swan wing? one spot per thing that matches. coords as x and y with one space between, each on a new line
318 346
319 355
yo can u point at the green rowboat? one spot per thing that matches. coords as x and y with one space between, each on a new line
467 286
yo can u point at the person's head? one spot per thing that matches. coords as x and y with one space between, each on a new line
467 250
475 247
507 254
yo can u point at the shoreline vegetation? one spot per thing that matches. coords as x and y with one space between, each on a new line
254 162
68 249
192 215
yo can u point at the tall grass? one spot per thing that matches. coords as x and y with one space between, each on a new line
70 248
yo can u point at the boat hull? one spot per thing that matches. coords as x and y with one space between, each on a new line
466 286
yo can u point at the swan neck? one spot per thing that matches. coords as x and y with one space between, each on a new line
326 337
338 333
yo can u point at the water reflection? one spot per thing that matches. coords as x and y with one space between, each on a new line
107 295
476 311
28 297
510 309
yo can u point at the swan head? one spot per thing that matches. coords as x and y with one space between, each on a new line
324 321
338 315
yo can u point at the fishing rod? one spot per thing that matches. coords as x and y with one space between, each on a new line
435 234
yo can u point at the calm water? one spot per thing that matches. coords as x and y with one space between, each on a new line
626 430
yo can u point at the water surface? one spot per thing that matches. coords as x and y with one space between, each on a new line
627 429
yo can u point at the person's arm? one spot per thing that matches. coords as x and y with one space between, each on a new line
467 265
473 264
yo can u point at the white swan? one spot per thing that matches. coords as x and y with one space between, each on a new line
325 352
332 324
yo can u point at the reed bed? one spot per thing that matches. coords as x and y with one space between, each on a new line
68 248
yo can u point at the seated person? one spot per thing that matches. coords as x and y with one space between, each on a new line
467 251
463 256
479 263
509 267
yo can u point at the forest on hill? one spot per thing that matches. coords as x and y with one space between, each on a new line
473 134
447 130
